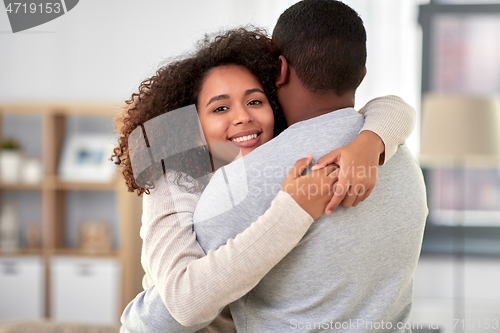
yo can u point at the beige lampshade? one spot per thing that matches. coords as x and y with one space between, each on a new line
460 128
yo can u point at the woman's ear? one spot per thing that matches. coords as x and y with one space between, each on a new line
284 72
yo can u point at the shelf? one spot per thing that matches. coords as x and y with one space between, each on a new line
59 205
65 109
81 253
20 187
22 252
57 183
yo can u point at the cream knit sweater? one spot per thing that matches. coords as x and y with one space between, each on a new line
186 277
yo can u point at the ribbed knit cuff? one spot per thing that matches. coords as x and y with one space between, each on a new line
392 119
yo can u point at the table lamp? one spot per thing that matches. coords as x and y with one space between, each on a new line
459 130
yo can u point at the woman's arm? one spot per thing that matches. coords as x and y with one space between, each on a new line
388 122
194 286
392 119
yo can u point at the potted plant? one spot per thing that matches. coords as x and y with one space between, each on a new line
10 160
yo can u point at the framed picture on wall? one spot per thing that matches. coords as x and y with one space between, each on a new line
85 157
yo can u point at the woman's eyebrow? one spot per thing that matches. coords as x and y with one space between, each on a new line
250 91
216 98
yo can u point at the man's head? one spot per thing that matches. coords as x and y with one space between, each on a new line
325 43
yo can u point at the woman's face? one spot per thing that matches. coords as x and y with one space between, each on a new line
232 107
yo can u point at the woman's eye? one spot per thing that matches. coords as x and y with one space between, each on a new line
220 109
255 102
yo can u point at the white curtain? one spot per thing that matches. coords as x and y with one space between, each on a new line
394 53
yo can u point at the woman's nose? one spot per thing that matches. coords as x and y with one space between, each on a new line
241 116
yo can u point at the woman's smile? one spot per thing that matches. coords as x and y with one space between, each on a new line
233 107
246 138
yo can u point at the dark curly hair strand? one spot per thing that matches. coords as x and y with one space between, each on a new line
178 84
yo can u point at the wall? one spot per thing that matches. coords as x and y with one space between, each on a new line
102 50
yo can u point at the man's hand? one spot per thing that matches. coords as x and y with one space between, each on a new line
358 164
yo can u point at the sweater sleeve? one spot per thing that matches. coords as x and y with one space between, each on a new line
195 286
147 314
392 119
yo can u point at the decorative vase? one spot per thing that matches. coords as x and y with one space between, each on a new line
9 228
31 171
10 164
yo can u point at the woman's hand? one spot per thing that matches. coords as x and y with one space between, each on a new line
358 164
313 191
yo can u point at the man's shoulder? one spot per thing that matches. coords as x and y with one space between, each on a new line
328 131
402 156
402 177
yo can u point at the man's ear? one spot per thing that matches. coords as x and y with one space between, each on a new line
284 72
362 76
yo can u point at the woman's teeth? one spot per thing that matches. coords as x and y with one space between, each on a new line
245 138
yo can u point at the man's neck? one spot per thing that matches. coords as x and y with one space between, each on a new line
318 105
300 104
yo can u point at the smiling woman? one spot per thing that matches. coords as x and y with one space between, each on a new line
237 109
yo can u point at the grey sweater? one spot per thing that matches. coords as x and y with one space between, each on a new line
353 269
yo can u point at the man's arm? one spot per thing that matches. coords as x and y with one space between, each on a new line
147 313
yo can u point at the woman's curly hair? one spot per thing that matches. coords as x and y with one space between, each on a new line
178 84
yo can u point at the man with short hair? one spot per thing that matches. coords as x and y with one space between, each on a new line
353 269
